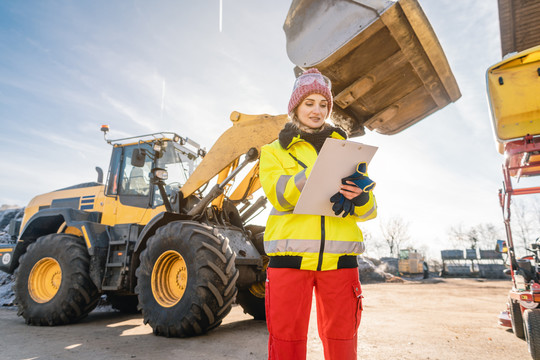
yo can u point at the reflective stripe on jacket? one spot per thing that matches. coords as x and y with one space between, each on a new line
314 242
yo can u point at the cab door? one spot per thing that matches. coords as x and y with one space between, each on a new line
128 193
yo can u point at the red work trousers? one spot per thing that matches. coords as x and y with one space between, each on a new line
288 305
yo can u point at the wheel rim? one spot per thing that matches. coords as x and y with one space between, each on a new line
257 289
44 280
169 278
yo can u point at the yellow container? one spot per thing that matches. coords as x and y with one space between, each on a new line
513 87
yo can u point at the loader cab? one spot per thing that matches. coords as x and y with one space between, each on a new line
129 180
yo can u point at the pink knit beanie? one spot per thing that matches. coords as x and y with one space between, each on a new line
310 82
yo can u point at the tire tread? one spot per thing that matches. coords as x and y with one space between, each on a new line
69 305
214 273
531 319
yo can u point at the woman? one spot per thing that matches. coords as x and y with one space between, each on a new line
309 251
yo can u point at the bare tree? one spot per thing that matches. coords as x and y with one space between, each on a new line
473 238
481 235
458 236
535 204
522 221
489 234
374 245
395 234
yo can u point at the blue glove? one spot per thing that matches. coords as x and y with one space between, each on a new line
360 179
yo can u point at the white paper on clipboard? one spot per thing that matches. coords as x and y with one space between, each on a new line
337 159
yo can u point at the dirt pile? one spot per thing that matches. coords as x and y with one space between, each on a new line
7 296
7 213
373 271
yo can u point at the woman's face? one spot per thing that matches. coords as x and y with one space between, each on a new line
312 111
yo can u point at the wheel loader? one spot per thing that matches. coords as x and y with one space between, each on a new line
143 241
154 236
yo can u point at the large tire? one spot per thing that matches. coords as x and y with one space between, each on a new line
186 281
531 319
252 299
517 319
52 282
252 304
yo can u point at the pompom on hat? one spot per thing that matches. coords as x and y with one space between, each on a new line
311 82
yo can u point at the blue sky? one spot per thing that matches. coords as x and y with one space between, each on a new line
68 67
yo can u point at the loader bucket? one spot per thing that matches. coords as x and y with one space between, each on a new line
387 67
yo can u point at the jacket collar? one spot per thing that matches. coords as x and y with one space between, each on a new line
290 134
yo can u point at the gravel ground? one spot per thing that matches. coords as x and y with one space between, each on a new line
423 319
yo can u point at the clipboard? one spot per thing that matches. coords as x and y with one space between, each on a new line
337 159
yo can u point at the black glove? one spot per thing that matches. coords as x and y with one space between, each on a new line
342 204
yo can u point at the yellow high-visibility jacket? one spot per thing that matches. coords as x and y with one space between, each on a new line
308 242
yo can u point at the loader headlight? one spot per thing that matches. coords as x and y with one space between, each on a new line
6 258
160 174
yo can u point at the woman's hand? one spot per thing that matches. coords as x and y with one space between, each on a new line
350 191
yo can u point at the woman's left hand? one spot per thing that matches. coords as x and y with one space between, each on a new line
350 191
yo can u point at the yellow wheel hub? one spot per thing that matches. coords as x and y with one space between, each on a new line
258 290
169 278
44 280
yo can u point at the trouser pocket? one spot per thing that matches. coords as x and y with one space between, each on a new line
267 304
357 291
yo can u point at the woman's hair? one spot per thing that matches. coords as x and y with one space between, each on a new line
293 118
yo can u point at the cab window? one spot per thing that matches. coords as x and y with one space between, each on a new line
114 170
179 165
135 180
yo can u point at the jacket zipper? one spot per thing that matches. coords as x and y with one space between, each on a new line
321 251
323 234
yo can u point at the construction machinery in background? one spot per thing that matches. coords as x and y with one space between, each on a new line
152 236
411 262
513 87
